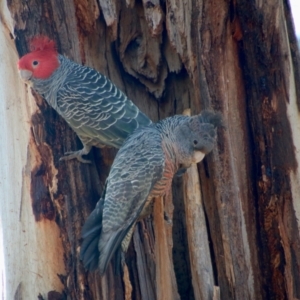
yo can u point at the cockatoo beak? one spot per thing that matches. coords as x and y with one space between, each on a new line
25 74
198 156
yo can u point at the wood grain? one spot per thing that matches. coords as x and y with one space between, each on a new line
239 57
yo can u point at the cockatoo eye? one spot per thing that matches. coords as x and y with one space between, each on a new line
35 63
195 142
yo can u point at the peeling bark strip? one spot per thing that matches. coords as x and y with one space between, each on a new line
202 273
43 176
127 284
146 272
109 11
239 57
165 288
179 25
267 70
154 16
42 205
139 49
87 13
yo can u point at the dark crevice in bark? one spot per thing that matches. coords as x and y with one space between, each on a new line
262 66
211 248
181 259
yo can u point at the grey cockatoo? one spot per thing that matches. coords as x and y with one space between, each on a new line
92 105
143 168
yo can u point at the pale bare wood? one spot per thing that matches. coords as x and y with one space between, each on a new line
109 10
164 288
200 259
32 253
168 227
216 295
179 27
238 57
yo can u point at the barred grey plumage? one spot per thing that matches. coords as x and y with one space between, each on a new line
143 168
92 105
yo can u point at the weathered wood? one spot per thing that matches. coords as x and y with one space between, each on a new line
179 26
216 295
268 67
127 284
147 288
166 287
201 264
196 229
109 9
239 57
154 16
32 251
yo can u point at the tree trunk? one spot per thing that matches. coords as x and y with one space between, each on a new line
234 230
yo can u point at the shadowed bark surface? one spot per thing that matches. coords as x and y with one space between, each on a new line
235 217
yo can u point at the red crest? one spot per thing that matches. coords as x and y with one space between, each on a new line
40 43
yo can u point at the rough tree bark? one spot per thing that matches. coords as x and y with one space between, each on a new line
235 217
